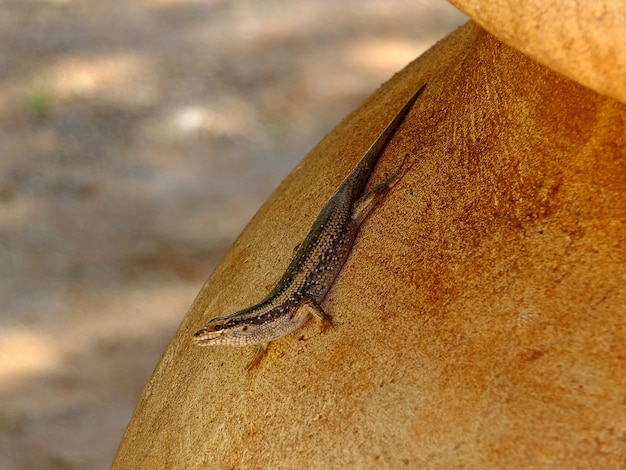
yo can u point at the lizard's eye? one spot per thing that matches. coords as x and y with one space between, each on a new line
217 327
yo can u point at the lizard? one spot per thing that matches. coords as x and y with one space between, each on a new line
316 263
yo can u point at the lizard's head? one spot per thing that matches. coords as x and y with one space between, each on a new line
222 331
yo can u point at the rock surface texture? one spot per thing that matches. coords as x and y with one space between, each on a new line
582 40
481 318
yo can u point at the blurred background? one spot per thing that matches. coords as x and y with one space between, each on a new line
136 141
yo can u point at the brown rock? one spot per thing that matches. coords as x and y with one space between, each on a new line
481 318
585 41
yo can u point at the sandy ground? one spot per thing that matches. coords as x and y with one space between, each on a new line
136 140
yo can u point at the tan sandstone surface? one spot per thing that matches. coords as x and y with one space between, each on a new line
480 320
584 41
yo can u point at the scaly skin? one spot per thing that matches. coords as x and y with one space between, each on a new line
316 263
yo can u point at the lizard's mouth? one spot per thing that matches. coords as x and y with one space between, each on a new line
205 337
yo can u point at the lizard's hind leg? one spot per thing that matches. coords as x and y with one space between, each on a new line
368 201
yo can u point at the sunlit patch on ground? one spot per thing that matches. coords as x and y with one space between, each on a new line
24 353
